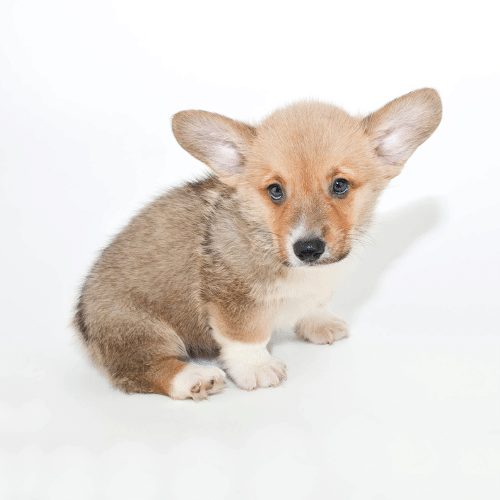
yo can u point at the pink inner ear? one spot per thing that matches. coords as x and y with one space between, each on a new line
395 144
225 157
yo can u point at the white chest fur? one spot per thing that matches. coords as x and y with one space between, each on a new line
304 290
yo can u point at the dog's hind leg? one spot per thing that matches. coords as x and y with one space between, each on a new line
140 353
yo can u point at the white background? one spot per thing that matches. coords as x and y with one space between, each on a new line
407 408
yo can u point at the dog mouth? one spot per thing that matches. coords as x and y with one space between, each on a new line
322 261
330 260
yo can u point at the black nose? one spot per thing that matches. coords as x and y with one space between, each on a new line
309 250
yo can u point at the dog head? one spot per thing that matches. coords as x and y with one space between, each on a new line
310 172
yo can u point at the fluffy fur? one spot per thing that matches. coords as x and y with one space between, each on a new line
209 269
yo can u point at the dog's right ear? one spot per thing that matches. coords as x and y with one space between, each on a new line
398 128
214 139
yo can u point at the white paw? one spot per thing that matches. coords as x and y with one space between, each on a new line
323 329
250 365
197 382
252 373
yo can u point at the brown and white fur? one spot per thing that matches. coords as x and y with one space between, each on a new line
209 268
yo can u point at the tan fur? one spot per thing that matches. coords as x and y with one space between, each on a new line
207 265
162 377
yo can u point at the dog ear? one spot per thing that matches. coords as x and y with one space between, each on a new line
399 127
214 139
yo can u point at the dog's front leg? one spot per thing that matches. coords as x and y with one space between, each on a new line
321 327
243 338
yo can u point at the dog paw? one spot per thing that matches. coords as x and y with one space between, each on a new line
197 382
322 330
250 375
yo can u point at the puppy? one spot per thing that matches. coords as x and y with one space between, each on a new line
213 267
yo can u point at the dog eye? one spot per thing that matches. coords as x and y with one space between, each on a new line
276 192
340 187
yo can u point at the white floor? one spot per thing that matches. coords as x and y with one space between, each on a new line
406 408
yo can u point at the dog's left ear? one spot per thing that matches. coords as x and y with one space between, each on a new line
398 128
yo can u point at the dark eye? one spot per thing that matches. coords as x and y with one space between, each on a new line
276 192
340 187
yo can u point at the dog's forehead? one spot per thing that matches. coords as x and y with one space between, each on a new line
309 133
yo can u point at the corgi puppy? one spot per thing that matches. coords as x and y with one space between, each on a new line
213 267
